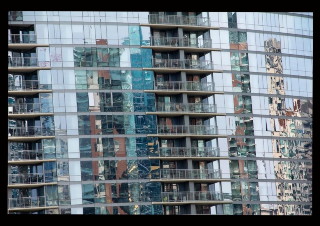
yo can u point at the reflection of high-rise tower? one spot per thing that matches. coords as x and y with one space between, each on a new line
285 127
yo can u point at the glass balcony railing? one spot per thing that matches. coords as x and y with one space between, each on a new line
21 155
193 196
15 16
31 202
180 42
189 174
29 108
23 38
192 129
180 107
178 20
189 152
27 62
27 85
27 202
189 86
182 64
29 178
30 131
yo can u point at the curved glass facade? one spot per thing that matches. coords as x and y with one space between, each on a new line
129 112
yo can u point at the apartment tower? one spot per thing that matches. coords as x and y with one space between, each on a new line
160 113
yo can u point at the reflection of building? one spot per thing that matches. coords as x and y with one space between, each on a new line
160 113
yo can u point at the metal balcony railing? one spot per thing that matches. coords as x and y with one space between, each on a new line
21 155
192 129
27 85
182 64
29 108
27 62
22 38
30 131
189 86
189 152
189 174
193 196
191 107
178 20
181 42
30 202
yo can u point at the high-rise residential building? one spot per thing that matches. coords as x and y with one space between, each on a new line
160 113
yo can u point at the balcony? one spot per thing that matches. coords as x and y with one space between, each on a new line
26 64
27 87
186 65
195 153
174 43
23 41
30 180
195 131
170 21
195 197
27 157
192 109
29 110
178 87
184 175
30 133
23 38
31 203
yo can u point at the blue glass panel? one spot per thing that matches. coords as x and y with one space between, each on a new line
152 146
86 170
47 125
138 102
145 124
81 79
49 148
85 147
137 80
82 102
131 146
88 195
157 210
141 146
84 124
146 57
132 169
150 101
146 209
144 169
153 191
135 56
155 165
50 171
134 35
46 102
148 79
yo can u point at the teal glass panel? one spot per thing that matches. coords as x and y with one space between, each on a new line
134 35
46 102
146 55
82 102
137 80
49 148
81 79
135 56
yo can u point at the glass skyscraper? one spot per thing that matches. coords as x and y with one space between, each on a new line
160 113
